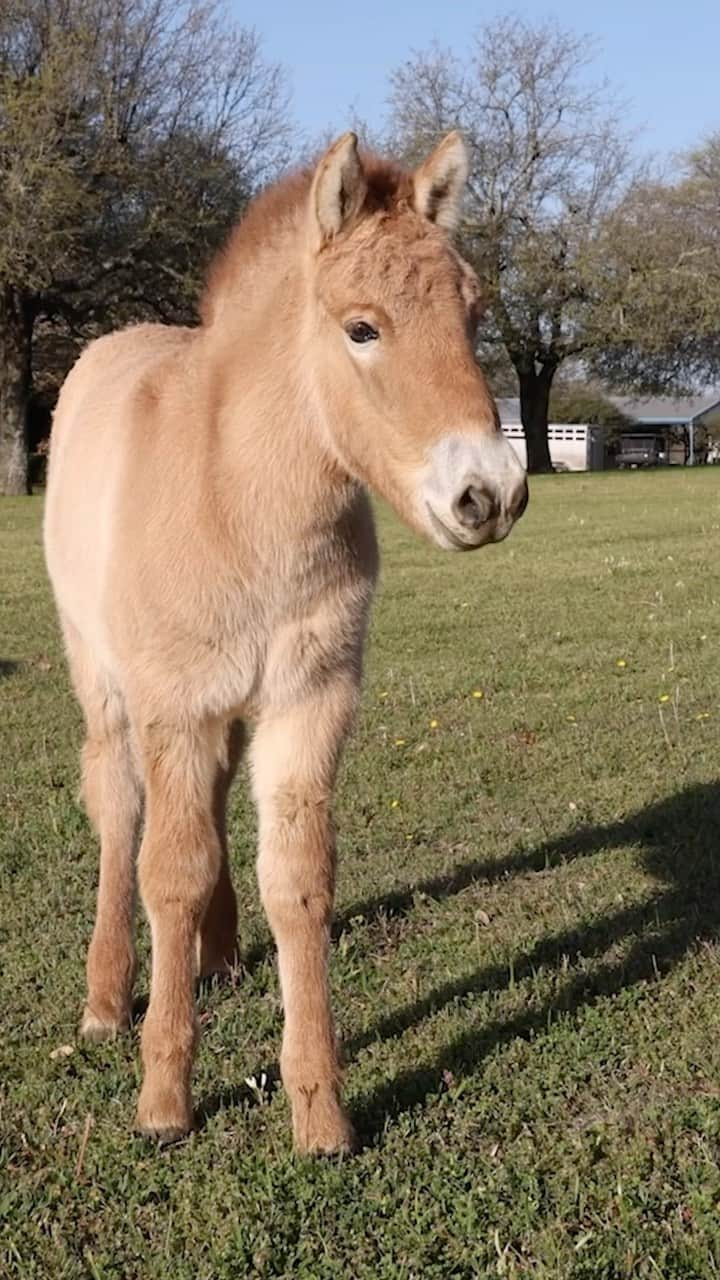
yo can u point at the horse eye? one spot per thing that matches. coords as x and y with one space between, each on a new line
359 331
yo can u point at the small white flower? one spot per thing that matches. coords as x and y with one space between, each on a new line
257 1087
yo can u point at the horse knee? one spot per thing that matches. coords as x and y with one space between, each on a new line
178 871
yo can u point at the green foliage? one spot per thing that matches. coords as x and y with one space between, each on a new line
662 255
526 958
131 137
570 403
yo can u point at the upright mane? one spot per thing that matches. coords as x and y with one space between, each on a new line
277 210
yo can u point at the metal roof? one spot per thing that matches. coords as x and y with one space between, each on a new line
667 410
652 411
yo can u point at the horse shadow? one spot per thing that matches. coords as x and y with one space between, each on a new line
675 842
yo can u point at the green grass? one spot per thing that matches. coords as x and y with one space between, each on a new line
526 964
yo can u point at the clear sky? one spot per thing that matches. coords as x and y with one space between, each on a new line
663 57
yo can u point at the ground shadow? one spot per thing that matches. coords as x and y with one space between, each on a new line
392 905
677 843
396 903
237 1095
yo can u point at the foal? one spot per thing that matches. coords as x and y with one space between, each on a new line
211 548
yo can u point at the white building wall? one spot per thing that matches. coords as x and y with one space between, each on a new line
569 444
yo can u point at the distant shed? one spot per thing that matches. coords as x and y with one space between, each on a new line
664 415
574 446
582 447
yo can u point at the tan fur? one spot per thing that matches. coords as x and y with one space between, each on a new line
212 553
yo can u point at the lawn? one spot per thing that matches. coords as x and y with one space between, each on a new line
526 961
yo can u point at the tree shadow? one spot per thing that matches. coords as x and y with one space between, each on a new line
677 845
8 668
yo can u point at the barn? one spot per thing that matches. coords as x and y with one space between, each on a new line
681 430
574 446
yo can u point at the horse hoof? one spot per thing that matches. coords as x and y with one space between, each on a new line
95 1029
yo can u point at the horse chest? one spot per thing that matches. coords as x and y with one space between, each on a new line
261 655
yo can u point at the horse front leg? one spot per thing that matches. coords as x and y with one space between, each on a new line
295 756
179 864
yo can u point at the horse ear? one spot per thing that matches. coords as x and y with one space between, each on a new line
439 183
338 188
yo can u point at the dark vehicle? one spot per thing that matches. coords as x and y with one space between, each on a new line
640 451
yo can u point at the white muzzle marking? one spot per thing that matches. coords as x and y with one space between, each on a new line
472 490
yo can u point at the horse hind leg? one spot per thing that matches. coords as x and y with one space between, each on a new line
112 793
217 939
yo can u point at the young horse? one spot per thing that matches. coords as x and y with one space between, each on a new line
211 548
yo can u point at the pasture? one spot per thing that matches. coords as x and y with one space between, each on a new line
526 964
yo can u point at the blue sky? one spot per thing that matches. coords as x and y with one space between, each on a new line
663 57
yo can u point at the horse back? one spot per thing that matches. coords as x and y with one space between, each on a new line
108 428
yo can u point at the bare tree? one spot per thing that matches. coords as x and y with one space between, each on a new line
131 134
549 161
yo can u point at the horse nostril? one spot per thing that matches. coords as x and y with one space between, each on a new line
520 502
474 507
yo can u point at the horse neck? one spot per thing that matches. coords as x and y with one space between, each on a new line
270 453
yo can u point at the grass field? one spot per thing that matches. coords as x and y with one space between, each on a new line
526 963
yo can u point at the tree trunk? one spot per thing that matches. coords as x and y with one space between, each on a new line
534 408
16 326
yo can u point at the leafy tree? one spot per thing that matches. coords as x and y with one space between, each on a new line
662 255
131 134
573 402
549 162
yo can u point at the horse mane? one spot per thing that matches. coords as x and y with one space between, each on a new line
277 209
